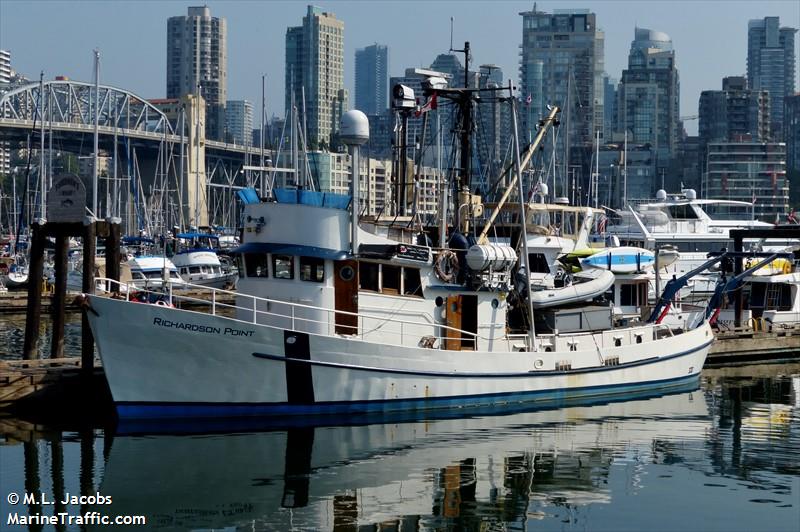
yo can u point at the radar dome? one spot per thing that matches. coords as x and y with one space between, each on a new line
355 128
661 194
544 190
691 194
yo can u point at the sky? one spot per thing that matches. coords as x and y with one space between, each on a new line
57 37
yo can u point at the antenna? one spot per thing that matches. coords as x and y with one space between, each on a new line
451 33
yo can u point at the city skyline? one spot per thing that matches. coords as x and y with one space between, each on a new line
709 45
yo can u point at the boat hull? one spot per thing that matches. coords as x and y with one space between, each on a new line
162 362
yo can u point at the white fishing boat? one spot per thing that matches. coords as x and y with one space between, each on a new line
335 317
198 263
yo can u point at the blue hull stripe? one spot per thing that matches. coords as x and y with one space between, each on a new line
461 375
543 398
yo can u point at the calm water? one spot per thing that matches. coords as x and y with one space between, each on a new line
722 457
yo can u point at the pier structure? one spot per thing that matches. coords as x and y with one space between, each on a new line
158 157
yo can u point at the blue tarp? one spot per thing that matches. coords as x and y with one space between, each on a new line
310 197
197 235
248 195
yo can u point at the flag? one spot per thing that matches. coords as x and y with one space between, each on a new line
602 223
792 218
774 182
430 105
754 198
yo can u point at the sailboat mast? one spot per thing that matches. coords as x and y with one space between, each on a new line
42 169
197 160
96 129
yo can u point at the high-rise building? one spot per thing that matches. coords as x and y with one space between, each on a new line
315 69
791 132
609 106
771 64
197 51
5 66
5 78
239 122
648 99
562 64
450 64
493 118
754 172
735 113
372 78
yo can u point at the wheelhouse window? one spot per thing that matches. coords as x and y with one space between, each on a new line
256 264
682 212
390 279
538 263
368 276
312 269
411 282
283 266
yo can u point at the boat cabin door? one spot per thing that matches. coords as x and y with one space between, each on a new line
345 285
461 314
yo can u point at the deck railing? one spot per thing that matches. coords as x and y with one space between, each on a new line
407 331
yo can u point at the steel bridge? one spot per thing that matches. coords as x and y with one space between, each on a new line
60 116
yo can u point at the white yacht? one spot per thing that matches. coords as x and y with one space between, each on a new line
152 272
198 263
681 222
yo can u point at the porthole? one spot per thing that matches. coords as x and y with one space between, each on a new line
347 274
439 301
495 303
617 342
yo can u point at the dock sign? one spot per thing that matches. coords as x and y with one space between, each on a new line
66 200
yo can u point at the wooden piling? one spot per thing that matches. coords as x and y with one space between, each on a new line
112 250
87 341
737 270
34 313
59 296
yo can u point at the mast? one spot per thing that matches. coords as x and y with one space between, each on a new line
96 129
179 181
466 129
42 169
197 160
525 260
261 134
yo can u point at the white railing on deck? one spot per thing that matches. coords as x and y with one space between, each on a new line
178 293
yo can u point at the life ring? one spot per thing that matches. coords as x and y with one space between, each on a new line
446 266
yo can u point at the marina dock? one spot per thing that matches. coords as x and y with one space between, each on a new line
744 344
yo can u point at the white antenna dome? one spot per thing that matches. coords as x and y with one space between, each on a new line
691 194
354 128
544 190
661 194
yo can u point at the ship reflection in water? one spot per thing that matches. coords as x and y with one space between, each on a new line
722 457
